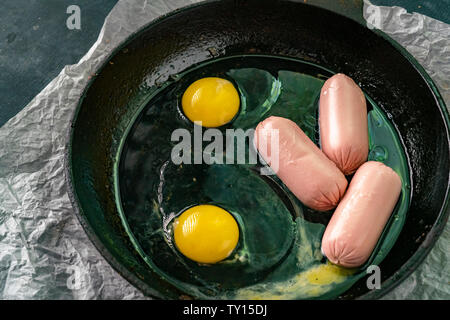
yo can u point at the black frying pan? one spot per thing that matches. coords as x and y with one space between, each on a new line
385 71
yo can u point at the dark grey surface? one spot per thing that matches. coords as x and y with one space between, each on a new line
35 44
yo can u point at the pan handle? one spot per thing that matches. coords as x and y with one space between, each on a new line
352 9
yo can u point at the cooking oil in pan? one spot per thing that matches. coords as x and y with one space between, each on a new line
278 253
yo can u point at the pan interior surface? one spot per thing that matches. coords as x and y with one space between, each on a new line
279 251
154 58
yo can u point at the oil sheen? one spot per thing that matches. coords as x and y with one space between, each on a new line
278 252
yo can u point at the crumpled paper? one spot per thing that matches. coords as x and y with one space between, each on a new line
44 252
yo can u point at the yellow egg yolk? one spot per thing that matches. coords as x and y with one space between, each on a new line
211 101
206 233
325 274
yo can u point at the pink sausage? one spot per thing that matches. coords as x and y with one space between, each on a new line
344 134
359 219
303 168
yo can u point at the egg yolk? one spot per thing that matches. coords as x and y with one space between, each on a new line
206 233
211 101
